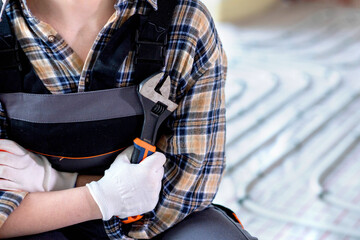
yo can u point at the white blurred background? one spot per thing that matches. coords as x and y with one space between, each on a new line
293 111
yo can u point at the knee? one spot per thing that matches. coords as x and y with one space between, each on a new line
209 224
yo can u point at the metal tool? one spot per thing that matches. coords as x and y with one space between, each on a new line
154 97
157 107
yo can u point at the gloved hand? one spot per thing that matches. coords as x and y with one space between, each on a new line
129 189
24 170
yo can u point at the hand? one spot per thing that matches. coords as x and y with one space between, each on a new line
26 171
129 189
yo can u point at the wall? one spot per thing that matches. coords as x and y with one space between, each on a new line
230 10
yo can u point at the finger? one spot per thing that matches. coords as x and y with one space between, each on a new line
160 171
158 187
124 156
128 151
10 146
155 161
159 175
12 160
9 185
9 173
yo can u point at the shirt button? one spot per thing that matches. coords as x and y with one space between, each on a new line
87 79
51 38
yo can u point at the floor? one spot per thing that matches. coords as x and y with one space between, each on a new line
293 114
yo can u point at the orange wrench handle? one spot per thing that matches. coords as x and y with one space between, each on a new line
142 150
131 219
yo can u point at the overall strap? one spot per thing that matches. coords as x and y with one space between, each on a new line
16 71
9 49
10 65
151 40
147 35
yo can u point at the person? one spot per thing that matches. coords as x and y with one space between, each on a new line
62 40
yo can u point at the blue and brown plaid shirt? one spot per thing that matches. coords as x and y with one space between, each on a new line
197 66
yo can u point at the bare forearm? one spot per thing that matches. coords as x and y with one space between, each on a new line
42 212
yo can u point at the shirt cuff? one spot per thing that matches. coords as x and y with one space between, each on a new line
9 200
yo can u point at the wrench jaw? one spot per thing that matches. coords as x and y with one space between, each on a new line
147 90
157 107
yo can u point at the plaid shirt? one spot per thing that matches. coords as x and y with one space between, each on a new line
196 63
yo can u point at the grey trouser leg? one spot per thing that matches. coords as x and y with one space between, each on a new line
209 224
53 235
91 230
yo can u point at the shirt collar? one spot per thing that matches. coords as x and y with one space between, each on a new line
153 3
4 3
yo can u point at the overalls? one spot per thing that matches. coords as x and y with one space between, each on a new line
84 132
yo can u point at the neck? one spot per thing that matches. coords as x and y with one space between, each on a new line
79 11
77 21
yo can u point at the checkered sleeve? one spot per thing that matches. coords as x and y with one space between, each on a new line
194 150
8 202
194 138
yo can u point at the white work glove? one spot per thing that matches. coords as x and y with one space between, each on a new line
129 189
26 171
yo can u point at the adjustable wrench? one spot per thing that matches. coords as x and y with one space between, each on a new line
157 107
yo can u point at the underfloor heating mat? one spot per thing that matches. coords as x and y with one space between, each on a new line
293 122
